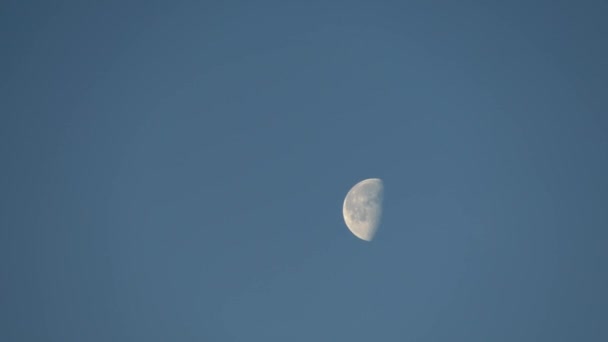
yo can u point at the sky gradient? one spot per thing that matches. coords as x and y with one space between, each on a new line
175 171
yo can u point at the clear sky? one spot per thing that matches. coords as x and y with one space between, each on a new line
175 171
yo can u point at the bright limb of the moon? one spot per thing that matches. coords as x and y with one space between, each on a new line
362 208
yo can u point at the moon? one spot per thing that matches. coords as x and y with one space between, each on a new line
362 209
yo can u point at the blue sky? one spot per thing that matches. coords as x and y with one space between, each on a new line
175 171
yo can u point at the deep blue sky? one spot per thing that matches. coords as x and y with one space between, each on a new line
175 171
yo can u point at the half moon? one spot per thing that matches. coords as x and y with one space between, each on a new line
362 208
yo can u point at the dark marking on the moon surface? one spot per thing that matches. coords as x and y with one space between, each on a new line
360 205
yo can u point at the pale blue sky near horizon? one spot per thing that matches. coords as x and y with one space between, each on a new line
175 171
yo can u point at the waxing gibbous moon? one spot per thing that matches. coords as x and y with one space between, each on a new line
362 208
